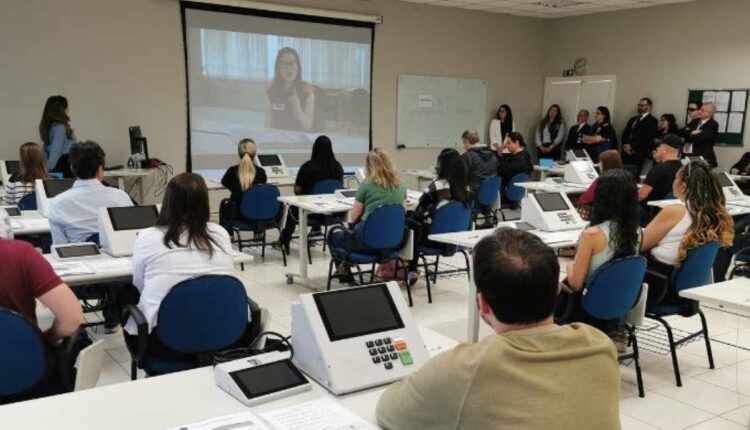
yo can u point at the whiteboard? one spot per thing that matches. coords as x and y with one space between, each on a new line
434 111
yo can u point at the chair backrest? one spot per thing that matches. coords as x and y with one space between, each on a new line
384 228
613 289
89 365
695 270
451 217
488 191
22 359
203 314
260 202
514 192
327 186
28 202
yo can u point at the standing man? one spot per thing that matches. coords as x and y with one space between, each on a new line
693 112
577 131
638 136
700 135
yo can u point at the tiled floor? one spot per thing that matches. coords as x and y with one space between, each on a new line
708 399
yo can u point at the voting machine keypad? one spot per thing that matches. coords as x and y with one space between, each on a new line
387 351
566 217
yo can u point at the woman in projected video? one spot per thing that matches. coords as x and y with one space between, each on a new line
290 101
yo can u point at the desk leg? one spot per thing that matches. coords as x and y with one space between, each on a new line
473 314
302 275
140 190
121 183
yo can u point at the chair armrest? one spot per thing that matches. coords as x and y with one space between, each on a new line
256 323
132 311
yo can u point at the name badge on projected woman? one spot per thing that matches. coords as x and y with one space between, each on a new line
278 106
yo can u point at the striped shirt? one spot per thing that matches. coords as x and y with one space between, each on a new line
437 194
15 191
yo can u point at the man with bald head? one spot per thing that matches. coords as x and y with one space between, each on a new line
480 161
700 135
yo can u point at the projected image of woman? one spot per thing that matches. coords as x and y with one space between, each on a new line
290 101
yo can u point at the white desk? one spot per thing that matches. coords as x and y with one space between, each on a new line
137 174
171 400
421 175
739 178
555 170
732 295
30 222
547 187
214 184
735 208
107 268
469 239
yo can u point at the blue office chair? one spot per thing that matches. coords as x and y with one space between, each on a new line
23 360
198 318
28 202
695 271
449 218
514 193
327 186
486 199
382 234
260 210
610 294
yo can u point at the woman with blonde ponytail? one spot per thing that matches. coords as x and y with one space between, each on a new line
699 218
239 178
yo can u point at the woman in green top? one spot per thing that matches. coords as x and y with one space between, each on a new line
381 187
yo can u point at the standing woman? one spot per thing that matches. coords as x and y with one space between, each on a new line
290 101
33 167
667 125
550 133
56 135
603 135
501 126
239 178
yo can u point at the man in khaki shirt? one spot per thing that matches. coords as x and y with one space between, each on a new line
532 374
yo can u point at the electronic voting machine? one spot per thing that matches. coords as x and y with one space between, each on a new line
356 338
550 212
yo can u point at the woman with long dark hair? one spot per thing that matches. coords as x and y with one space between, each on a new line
33 167
183 245
550 133
56 135
451 185
290 101
515 160
603 135
614 232
501 125
667 125
321 166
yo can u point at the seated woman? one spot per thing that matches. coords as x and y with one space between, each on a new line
182 246
33 167
239 178
516 160
608 160
701 217
382 186
321 166
451 185
613 233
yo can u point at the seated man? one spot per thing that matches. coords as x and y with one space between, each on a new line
742 167
26 276
658 182
480 161
73 216
516 160
531 374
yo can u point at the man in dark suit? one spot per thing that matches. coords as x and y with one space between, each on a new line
700 135
577 131
638 136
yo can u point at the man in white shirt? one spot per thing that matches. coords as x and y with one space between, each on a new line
73 214
73 217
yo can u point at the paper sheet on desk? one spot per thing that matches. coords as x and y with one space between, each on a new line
16 225
241 421
322 414
557 236
106 264
71 268
36 223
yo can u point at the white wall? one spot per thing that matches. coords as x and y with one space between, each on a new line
121 63
661 52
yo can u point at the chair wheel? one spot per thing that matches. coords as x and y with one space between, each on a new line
289 279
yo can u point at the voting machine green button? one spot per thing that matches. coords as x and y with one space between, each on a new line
406 358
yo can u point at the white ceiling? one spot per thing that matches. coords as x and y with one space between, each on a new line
548 8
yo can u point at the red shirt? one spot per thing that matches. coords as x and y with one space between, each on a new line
24 276
588 197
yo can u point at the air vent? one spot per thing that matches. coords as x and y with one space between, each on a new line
557 4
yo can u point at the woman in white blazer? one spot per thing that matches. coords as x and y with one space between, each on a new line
501 125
